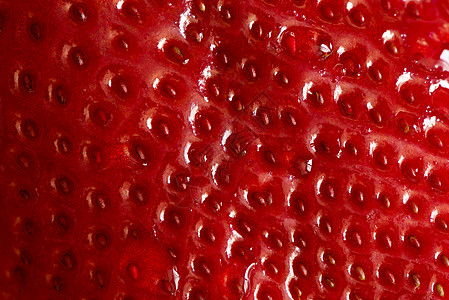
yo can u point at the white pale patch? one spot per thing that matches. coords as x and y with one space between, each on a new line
402 79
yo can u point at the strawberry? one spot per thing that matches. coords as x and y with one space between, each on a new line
192 149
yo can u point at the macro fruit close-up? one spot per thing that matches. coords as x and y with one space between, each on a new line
224 149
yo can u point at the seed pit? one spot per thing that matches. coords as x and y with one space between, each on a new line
121 43
132 12
78 58
100 278
357 17
120 87
68 260
58 284
30 129
27 83
64 186
60 95
36 31
100 240
102 117
24 161
257 31
24 194
78 13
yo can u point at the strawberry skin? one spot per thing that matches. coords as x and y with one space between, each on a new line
192 149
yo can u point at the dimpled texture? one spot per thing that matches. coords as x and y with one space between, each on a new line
195 149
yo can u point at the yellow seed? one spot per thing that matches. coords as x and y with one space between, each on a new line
416 280
202 6
440 289
330 282
330 259
178 51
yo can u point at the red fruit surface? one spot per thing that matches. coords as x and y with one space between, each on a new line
203 149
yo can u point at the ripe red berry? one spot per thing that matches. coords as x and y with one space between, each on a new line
205 149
